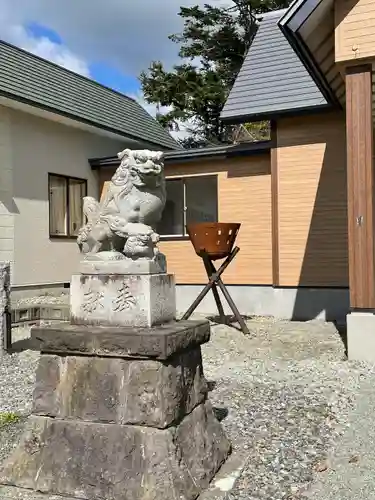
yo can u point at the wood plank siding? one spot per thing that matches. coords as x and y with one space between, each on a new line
354 29
360 186
312 195
321 42
294 229
244 195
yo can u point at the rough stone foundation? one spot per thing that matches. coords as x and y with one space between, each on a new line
120 414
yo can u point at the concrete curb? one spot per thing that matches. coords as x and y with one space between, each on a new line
34 313
225 480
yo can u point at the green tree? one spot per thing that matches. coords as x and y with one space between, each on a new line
213 44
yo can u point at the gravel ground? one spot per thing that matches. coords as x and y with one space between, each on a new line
17 377
288 398
351 463
289 394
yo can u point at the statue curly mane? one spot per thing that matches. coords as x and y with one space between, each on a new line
130 210
122 176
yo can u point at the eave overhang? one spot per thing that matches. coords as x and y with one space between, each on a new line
220 152
298 17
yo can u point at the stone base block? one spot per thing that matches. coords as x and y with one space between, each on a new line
120 300
125 266
159 342
111 390
118 462
361 336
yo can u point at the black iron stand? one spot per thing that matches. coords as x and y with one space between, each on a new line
214 281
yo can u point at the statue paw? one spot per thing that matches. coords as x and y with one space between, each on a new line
155 237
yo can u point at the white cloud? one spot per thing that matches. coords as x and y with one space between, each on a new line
150 108
126 33
182 133
43 47
58 54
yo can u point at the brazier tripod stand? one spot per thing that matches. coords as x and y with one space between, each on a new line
211 242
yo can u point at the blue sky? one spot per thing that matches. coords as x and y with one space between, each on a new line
37 30
101 71
110 41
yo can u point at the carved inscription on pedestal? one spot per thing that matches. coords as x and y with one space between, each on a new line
92 301
124 300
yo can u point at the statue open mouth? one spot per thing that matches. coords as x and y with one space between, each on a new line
147 175
149 169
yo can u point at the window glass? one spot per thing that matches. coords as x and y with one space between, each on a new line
201 199
172 222
66 204
57 205
77 190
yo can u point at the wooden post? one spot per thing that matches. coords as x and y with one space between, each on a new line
359 127
275 206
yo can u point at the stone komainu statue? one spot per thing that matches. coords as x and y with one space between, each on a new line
123 225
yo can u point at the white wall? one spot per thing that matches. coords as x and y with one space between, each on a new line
7 206
30 148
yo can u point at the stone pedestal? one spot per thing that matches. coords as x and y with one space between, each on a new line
122 299
120 414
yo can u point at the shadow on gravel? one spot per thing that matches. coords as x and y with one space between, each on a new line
229 320
220 413
211 384
341 328
20 346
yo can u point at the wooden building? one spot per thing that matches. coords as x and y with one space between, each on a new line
305 199
293 237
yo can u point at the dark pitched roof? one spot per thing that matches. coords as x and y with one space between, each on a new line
187 155
30 79
272 80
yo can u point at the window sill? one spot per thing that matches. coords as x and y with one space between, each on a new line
61 237
174 238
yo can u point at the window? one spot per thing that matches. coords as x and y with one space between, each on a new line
189 200
65 205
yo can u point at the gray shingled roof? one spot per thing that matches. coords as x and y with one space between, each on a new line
35 81
272 79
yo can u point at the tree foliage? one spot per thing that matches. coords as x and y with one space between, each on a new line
213 44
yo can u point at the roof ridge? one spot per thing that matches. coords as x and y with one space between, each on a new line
66 70
271 14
